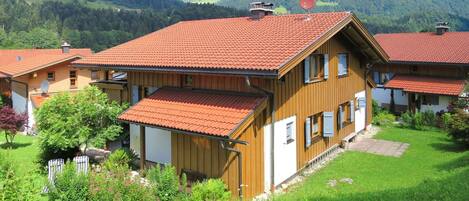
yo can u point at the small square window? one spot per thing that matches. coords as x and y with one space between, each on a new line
316 125
289 133
51 76
94 75
73 74
187 80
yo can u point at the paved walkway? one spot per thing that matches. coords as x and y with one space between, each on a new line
380 147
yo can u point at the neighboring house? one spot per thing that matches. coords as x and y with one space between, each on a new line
204 94
427 71
30 76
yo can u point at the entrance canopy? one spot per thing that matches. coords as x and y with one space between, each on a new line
426 85
203 112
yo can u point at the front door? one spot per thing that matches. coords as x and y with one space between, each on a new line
360 112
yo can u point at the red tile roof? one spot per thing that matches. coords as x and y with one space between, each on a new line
428 85
193 111
35 59
230 43
451 47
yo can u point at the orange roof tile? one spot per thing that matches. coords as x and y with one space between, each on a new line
35 59
203 112
38 100
428 85
451 47
230 43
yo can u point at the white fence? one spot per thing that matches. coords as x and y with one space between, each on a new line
55 166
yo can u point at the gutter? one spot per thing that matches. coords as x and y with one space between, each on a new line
272 128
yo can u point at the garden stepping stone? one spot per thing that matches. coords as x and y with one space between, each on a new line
380 147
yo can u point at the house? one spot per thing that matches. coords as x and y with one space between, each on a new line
251 100
30 76
427 71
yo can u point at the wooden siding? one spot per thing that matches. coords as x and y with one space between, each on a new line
293 97
206 156
426 70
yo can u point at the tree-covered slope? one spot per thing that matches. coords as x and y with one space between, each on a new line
385 15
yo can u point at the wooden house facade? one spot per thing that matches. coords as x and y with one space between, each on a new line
249 113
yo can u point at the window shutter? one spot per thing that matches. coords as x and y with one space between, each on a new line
307 69
326 66
328 124
341 117
308 132
362 102
352 111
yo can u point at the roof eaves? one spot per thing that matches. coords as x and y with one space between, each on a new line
427 63
261 73
46 65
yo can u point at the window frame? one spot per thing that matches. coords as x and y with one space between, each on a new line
346 116
94 75
187 81
317 63
320 125
53 76
429 100
73 79
347 66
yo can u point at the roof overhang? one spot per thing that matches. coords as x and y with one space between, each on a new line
355 31
214 71
428 63
40 67
427 85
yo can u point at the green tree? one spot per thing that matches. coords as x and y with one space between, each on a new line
67 121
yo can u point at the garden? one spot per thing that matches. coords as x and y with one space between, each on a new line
66 126
435 166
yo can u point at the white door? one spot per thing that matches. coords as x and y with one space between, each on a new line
360 113
158 145
285 161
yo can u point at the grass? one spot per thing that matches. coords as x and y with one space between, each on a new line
24 153
433 168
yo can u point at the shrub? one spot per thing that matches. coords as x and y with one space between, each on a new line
165 182
458 126
419 120
13 187
375 108
384 119
210 190
11 122
69 185
119 157
117 185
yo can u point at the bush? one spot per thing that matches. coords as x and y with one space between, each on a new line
119 157
419 120
13 187
375 109
69 185
210 190
384 119
457 125
165 182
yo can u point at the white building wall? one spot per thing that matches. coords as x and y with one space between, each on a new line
383 96
443 103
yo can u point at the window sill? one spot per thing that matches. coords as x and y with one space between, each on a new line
316 80
74 87
343 76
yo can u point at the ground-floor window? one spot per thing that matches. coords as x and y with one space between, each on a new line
430 100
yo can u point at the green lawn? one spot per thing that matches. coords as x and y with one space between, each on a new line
433 168
24 153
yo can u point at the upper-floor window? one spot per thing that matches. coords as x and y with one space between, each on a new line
51 76
343 66
381 78
73 79
316 67
94 75
187 81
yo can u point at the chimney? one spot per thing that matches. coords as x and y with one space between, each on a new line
441 28
260 9
65 48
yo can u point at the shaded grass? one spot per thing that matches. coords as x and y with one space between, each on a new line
433 168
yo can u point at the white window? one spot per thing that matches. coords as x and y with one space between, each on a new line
343 64
289 133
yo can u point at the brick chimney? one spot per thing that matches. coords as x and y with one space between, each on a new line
441 28
260 9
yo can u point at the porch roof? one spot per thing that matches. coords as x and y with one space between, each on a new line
427 85
203 112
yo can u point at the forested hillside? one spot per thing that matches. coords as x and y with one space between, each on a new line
383 15
44 24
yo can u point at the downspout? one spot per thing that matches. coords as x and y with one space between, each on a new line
27 91
240 166
272 128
